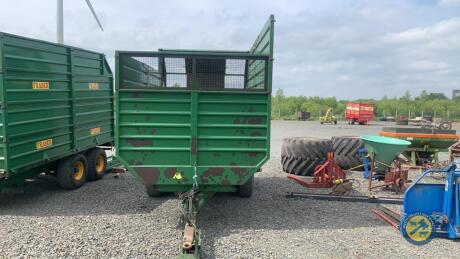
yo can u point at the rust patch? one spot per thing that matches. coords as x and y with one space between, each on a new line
140 142
193 147
256 134
252 109
214 171
149 175
136 95
255 120
170 172
236 121
226 182
239 171
148 118
153 131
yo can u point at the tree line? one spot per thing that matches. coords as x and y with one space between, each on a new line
426 104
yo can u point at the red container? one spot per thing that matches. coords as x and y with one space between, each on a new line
360 113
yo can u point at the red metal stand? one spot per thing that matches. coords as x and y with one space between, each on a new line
325 175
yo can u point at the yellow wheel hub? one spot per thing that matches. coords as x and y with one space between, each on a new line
100 163
79 171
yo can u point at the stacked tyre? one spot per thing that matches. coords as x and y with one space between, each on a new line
300 156
346 153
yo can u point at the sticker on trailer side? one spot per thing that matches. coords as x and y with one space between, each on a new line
93 86
95 131
44 143
40 85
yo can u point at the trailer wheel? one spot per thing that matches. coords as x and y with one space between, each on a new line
245 190
97 163
152 192
346 152
72 172
300 156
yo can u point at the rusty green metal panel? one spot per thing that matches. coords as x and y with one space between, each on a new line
184 113
56 100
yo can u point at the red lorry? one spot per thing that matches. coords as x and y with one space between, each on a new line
360 113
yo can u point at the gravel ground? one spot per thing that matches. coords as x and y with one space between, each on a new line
115 218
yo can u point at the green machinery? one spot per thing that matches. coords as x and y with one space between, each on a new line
195 122
425 143
383 150
328 117
56 108
383 164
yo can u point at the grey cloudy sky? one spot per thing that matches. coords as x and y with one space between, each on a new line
343 48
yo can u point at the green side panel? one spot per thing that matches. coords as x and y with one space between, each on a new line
265 40
2 144
93 95
58 101
2 109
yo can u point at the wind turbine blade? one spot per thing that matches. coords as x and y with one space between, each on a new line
94 14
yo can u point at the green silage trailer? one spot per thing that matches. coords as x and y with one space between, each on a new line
195 122
56 110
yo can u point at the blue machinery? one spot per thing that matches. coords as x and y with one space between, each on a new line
441 202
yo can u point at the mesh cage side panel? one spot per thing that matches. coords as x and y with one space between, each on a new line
194 72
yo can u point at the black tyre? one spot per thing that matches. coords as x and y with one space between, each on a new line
346 152
300 156
97 163
152 192
72 172
445 125
245 190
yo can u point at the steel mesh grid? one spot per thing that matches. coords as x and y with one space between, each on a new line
195 72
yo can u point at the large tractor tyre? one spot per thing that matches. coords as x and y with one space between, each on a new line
97 163
72 172
152 192
300 156
346 152
245 190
